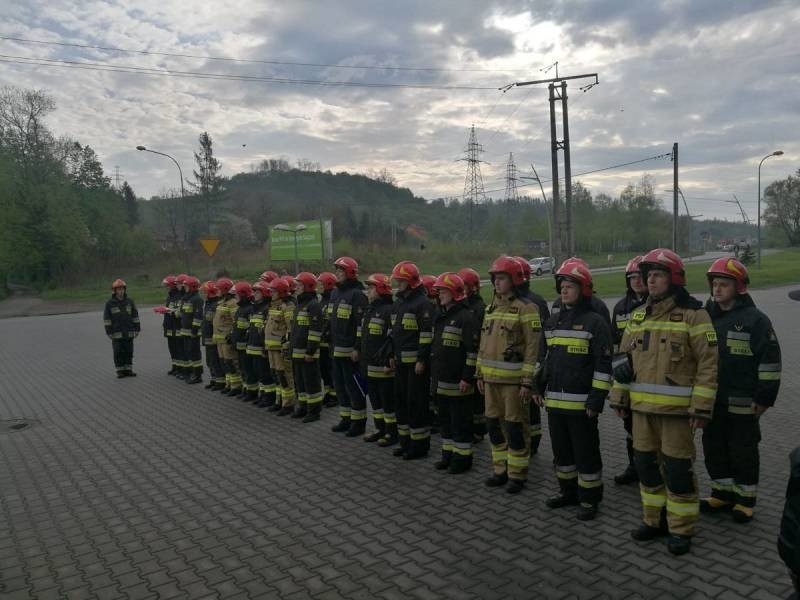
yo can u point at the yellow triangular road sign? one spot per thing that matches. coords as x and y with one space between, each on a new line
210 245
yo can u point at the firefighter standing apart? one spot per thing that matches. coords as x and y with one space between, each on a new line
749 379
509 348
121 320
454 354
666 374
573 379
635 296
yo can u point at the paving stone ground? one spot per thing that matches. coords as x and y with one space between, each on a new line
149 488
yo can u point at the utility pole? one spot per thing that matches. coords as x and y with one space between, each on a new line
563 225
675 191
473 182
735 200
511 195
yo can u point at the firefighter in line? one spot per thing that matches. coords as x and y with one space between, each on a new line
241 323
169 325
454 354
635 296
380 379
508 352
666 374
407 351
346 311
474 301
749 380
305 337
572 379
176 309
525 291
223 328
276 340
327 283
121 321
598 305
432 293
265 393
217 373
191 321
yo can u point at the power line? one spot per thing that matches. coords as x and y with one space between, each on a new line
90 66
255 61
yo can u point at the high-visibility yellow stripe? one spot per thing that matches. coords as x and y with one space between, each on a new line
683 509
654 500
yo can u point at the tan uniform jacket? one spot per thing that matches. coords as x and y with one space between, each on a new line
674 355
509 344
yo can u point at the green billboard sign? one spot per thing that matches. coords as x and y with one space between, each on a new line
309 240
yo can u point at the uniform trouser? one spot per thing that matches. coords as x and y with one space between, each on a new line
455 420
411 405
508 421
123 354
352 404
181 359
172 345
249 381
576 455
230 364
536 427
192 355
214 364
478 413
266 383
283 376
730 445
381 398
308 383
663 447
627 423
325 370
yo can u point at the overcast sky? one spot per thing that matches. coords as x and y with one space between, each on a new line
720 77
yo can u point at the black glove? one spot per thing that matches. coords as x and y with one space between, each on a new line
623 367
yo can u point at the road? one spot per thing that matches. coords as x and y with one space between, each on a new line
149 488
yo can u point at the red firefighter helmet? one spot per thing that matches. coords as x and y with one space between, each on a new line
427 282
289 279
405 270
280 287
210 289
577 272
268 276
633 267
118 283
169 281
243 289
470 278
307 281
526 267
509 266
732 269
180 279
192 282
263 287
348 265
224 285
327 280
382 283
453 283
666 260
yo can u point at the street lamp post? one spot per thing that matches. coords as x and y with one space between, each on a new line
183 202
295 231
776 153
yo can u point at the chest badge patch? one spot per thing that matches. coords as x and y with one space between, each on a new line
676 317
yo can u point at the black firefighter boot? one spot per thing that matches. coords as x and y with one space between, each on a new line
444 462
300 411
195 377
390 437
380 430
357 427
342 426
314 411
